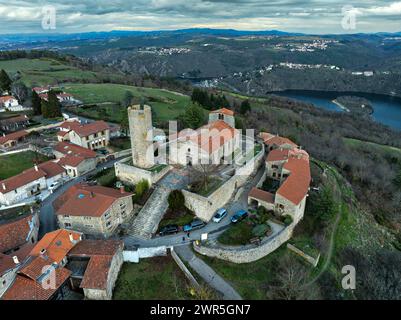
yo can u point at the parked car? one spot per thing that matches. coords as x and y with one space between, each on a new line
194 225
169 229
220 214
239 216
54 185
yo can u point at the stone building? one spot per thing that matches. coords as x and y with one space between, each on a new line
141 132
96 265
14 123
289 166
12 139
93 136
93 210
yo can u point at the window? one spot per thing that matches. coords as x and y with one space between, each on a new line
66 216
274 166
221 116
67 225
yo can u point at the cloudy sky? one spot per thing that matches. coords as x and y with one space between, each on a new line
310 16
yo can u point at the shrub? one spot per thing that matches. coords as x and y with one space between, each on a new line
260 230
141 187
176 200
287 220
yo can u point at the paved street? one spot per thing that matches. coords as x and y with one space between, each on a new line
207 273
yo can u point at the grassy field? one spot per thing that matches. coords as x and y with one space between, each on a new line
166 105
13 164
238 234
392 151
45 71
152 279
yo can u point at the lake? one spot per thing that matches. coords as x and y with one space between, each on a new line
387 109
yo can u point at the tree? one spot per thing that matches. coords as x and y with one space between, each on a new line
176 200
127 100
52 107
245 107
397 180
5 81
36 104
19 90
124 123
141 188
193 117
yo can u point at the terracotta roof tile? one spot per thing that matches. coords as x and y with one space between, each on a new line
73 149
97 272
277 155
224 111
91 128
72 161
13 136
6 263
262 195
296 186
88 248
14 234
27 289
84 200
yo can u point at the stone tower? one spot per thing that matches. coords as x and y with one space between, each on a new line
223 114
141 131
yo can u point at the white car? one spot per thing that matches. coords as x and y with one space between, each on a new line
220 214
54 186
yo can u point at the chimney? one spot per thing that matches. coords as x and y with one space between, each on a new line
122 189
4 186
16 261
36 167
43 251
71 238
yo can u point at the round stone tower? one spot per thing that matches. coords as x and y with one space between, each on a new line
141 132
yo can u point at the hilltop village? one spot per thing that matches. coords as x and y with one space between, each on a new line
65 233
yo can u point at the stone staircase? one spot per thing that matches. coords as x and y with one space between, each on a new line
148 219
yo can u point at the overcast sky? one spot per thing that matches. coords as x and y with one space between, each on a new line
309 16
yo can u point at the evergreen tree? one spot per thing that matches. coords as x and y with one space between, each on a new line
52 107
245 107
5 81
193 117
36 104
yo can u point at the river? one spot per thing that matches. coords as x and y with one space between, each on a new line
387 109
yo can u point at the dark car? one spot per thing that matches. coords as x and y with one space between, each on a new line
170 229
195 224
239 216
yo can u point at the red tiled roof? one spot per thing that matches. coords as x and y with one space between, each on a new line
6 263
91 128
101 253
296 186
47 169
224 111
73 149
27 289
14 234
88 248
70 125
6 98
35 266
277 155
96 273
62 133
16 119
262 195
56 244
276 140
13 136
209 137
84 200
51 169
72 161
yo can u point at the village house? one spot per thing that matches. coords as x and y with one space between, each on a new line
275 141
75 159
14 123
290 168
93 210
93 136
62 97
12 139
9 103
18 233
95 265
42 275
65 128
31 182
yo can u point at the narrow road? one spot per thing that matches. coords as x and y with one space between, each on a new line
207 273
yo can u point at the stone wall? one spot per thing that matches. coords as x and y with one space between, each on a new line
249 253
314 262
133 175
205 207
